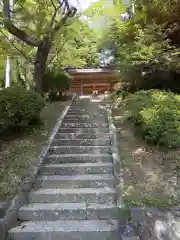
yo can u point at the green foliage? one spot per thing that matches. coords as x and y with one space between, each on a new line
19 106
56 82
78 47
146 50
156 114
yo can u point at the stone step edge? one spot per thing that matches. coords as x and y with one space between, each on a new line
71 211
79 155
95 128
87 139
88 146
76 177
74 165
73 191
66 206
66 226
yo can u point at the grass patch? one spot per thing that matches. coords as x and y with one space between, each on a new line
19 150
151 172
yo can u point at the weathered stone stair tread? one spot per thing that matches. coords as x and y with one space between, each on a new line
81 168
81 142
83 130
80 136
78 177
80 149
90 115
77 158
67 226
84 111
65 211
84 125
76 181
66 229
70 195
83 120
85 117
73 190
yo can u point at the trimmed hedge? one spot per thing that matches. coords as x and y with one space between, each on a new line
156 114
56 82
19 106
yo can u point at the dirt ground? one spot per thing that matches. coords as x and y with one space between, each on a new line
151 175
18 152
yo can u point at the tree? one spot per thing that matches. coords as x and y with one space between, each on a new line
79 47
45 18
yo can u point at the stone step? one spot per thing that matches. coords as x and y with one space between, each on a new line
84 125
83 130
80 150
130 238
66 229
92 115
81 142
88 104
84 121
73 195
89 113
66 211
98 108
77 158
84 136
76 168
76 181
84 117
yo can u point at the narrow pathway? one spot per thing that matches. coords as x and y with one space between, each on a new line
74 197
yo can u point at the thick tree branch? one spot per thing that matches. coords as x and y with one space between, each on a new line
14 30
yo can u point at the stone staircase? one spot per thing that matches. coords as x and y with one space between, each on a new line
74 197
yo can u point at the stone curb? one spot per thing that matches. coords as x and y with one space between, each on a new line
116 158
11 218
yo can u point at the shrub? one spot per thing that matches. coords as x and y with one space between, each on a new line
19 106
55 84
157 116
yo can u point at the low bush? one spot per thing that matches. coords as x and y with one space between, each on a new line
19 106
156 114
55 84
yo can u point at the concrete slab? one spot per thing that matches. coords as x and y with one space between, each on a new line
79 195
84 125
77 168
67 211
53 212
77 158
84 130
81 142
76 181
69 229
84 136
96 211
80 150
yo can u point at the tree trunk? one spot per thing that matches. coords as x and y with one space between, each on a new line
40 64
